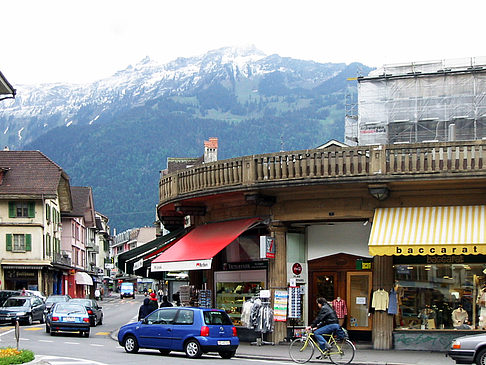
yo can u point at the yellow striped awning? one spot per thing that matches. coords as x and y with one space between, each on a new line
452 230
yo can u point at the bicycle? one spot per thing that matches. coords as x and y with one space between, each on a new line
302 349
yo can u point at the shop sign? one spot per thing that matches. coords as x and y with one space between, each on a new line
363 264
109 266
251 265
297 271
267 247
20 274
137 264
181 265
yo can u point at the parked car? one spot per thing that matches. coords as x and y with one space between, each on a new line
469 349
26 309
5 294
192 330
37 294
68 317
127 290
51 299
94 311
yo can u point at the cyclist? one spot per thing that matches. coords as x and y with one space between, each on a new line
326 322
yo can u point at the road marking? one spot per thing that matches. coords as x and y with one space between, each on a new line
45 341
72 343
102 333
96 344
32 329
59 360
6 333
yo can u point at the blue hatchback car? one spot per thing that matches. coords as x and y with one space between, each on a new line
192 330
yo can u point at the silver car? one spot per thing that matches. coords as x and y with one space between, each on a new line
469 349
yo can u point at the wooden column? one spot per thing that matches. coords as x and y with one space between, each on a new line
277 274
382 333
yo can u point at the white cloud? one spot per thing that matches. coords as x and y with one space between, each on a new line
79 41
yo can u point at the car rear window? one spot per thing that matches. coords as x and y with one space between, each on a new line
69 308
216 317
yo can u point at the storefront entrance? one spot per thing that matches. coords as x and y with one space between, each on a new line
337 279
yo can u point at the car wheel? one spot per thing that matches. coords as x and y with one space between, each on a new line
193 349
227 354
92 322
86 333
481 357
29 320
48 329
130 344
101 321
52 333
121 296
164 351
42 319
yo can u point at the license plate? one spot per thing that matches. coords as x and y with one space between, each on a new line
224 342
70 319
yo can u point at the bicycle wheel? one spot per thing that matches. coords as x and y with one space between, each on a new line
342 352
300 351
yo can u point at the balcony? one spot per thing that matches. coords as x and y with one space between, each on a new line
368 164
61 258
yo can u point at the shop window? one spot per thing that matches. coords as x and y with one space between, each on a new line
244 248
21 209
440 296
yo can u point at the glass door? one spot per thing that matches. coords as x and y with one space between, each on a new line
358 296
324 285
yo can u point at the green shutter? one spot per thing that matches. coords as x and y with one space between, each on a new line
48 213
28 242
53 215
9 242
11 210
31 209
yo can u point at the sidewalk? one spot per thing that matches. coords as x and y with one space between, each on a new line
364 355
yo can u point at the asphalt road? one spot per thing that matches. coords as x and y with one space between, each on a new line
100 348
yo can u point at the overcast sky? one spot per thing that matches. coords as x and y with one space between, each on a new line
85 40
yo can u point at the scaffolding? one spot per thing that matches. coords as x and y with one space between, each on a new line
419 102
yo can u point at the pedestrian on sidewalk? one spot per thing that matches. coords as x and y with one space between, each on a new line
153 301
161 294
326 322
145 309
165 302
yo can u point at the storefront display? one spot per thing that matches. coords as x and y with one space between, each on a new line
441 295
233 288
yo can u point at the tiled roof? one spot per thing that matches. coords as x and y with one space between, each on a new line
29 172
82 204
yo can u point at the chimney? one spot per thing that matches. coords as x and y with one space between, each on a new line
6 148
211 150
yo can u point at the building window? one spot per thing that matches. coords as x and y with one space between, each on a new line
21 209
19 242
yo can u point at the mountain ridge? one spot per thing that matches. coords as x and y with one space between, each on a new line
115 134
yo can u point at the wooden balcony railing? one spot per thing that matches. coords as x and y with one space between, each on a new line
366 163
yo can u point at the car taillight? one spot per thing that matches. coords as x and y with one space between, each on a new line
86 319
205 331
90 311
55 318
234 331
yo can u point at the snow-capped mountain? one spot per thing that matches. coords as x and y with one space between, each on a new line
244 72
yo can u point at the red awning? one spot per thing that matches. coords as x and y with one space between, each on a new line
196 249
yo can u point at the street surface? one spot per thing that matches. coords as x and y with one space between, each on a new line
100 348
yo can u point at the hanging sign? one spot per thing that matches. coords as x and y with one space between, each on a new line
267 247
137 264
280 306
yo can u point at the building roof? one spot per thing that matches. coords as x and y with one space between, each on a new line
6 88
82 204
33 174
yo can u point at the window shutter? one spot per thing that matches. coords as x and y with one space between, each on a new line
31 209
9 242
48 213
53 215
11 210
28 242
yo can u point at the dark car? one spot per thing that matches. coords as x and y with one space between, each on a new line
5 294
94 311
26 309
68 317
192 330
469 349
51 299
